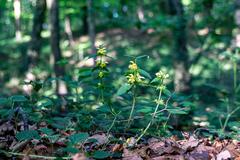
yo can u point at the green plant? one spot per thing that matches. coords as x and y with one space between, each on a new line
161 86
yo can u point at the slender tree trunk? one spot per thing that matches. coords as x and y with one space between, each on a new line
68 30
91 25
181 57
55 45
85 20
17 15
140 12
237 22
35 43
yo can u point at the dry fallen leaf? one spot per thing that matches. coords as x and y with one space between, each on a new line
190 144
172 157
130 155
101 138
234 150
224 155
117 147
79 156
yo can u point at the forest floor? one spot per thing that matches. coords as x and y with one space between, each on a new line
112 146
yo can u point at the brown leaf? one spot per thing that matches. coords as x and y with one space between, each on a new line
234 150
152 140
172 157
40 147
167 147
224 155
196 155
117 147
101 138
130 155
79 156
190 144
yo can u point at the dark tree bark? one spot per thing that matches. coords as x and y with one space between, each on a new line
84 20
35 43
55 45
91 25
181 57
17 15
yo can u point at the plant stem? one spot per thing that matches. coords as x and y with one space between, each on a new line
234 76
112 124
133 106
159 98
153 117
228 117
101 81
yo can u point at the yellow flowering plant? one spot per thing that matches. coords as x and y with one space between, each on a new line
101 70
135 76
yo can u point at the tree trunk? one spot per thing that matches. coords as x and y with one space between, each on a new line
85 20
35 43
91 25
140 12
181 57
55 45
17 15
237 22
68 31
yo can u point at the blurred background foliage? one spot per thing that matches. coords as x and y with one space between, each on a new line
195 41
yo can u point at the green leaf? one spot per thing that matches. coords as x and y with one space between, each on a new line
144 73
28 135
145 110
18 98
101 154
47 131
142 56
78 138
176 111
46 104
3 101
155 80
124 89
187 104
53 138
84 72
70 150
62 62
167 92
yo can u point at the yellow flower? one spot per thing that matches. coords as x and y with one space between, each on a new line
133 66
134 78
131 78
101 64
139 78
161 87
101 51
159 101
101 74
162 75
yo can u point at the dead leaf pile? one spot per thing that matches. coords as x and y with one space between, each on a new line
190 148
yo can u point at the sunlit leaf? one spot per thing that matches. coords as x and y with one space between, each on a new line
144 73
124 89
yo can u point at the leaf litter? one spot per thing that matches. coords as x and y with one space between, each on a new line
108 146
